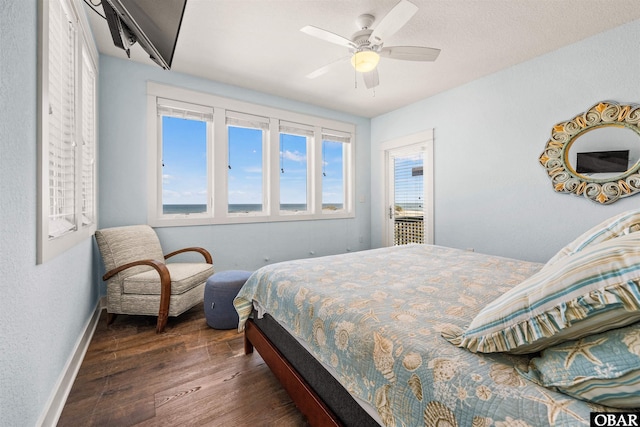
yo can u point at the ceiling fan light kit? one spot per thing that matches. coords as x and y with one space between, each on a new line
365 61
366 45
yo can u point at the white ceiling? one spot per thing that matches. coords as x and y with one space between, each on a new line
257 44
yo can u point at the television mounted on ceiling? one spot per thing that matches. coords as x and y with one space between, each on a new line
602 161
153 24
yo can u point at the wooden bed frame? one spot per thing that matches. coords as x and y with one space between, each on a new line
304 397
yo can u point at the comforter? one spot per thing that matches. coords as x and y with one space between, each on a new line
374 320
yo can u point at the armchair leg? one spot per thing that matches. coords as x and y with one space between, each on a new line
162 322
111 317
165 296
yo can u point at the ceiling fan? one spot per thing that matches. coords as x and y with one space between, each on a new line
366 45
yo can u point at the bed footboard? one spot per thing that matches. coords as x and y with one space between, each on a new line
304 397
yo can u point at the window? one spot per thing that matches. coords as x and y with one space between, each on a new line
408 187
186 135
408 198
295 140
242 162
246 138
334 152
88 155
67 130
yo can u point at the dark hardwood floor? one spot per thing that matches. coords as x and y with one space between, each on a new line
191 375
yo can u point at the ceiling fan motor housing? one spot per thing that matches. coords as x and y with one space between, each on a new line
361 40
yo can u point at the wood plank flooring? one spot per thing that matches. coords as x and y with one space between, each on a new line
191 375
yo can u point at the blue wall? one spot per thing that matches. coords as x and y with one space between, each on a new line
43 308
491 194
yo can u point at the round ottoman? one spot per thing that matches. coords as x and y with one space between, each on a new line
219 292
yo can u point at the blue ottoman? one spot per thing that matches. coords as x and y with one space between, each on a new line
219 292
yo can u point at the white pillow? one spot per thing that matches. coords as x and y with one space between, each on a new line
619 225
591 291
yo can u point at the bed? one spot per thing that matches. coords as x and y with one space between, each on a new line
359 339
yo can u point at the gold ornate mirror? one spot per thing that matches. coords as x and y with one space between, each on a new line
597 153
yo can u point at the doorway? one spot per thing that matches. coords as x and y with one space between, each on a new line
409 191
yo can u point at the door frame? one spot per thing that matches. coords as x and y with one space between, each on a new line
421 141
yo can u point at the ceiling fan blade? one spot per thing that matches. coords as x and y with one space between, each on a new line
410 53
322 70
393 21
371 79
327 36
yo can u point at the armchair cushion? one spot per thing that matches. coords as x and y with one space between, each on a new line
184 276
122 245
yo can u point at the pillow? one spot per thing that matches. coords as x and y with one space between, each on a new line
591 291
624 223
602 368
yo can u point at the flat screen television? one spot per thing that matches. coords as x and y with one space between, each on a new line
153 24
602 161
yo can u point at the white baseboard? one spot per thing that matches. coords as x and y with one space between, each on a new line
58 398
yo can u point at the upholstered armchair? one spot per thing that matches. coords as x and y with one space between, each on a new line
139 281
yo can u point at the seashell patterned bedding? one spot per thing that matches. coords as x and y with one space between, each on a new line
374 320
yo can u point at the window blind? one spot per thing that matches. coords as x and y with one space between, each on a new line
335 135
61 145
88 140
67 136
234 118
409 184
184 110
295 128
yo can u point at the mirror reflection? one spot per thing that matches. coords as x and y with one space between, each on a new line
604 152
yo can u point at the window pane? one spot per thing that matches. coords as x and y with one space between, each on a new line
409 199
184 166
293 172
409 185
332 175
88 140
245 169
62 120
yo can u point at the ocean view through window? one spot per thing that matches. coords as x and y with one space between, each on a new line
187 209
293 172
184 164
245 171
214 160
333 190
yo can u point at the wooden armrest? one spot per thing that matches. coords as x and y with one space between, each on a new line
157 265
165 286
205 253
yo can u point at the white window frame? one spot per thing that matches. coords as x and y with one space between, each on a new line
217 167
83 130
421 141
186 111
308 132
264 124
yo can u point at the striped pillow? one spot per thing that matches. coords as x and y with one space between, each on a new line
591 291
624 223
602 368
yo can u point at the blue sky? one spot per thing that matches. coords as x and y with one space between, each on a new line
184 159
185 166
